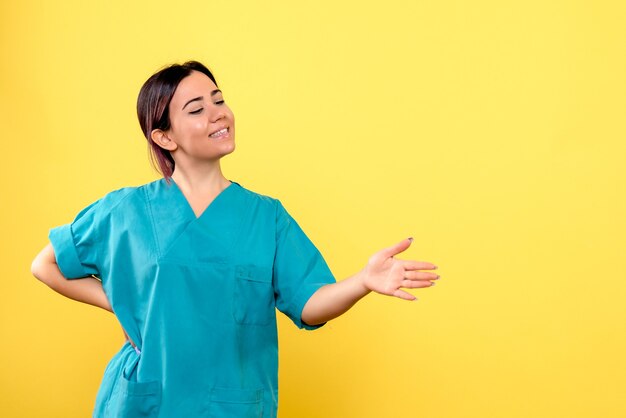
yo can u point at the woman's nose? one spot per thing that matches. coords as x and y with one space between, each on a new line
216 113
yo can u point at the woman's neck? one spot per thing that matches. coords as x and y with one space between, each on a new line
201 178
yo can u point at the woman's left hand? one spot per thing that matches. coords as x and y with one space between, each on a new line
386 275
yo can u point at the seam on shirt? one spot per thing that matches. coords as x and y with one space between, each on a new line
129 191
150 212
100 216
97 218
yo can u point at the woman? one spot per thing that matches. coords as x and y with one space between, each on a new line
193 266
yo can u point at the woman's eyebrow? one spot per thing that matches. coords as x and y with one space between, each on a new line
192 100
195 99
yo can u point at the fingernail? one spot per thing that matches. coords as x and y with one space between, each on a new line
432 283
411 239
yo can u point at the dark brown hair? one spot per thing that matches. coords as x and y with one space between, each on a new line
153 108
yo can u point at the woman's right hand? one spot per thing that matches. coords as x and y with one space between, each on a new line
87 289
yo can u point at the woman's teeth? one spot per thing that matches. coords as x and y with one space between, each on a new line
219 133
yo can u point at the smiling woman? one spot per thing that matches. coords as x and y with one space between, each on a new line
167 107
194 266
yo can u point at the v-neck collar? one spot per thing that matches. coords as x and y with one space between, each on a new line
189 209
177 231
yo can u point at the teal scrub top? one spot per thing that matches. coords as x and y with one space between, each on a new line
196 294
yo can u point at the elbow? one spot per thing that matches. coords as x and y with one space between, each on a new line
43 273
310 318
312 322
42 268
36 269
43 265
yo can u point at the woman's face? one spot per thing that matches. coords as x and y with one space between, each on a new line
201 124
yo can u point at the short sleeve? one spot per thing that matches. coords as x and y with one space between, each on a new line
76 244
299 268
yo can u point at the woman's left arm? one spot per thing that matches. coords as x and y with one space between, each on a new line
383 274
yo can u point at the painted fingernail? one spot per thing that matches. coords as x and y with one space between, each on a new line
432 283
411 239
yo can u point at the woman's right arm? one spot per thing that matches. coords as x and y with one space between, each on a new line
87 290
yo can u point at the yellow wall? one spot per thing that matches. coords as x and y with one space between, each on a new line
493 132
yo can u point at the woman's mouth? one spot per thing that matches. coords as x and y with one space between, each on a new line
222 132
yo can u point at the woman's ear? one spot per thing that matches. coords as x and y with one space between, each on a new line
160 138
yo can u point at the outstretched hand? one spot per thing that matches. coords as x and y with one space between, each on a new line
383 274
387 275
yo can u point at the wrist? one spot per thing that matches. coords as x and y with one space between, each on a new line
361 283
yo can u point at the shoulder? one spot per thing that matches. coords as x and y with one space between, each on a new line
271 207
115 198
119 199
268 205
258 198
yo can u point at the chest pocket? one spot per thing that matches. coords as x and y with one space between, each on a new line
253 296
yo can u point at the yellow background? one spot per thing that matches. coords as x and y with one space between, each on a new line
493 132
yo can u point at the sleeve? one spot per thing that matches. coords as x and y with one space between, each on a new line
76 244
299 268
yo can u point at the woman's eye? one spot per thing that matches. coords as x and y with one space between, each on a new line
195 112
219 102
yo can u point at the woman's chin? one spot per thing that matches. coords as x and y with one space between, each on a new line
226 148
